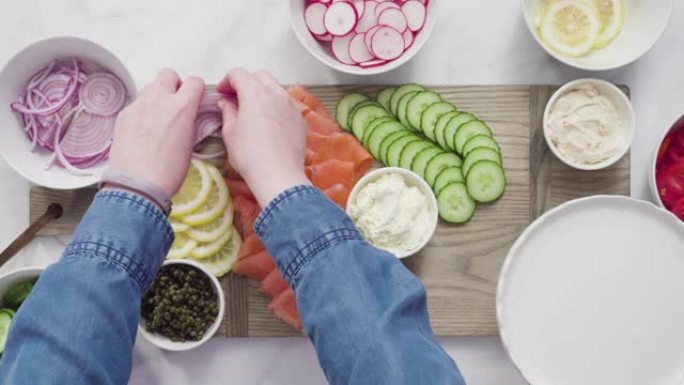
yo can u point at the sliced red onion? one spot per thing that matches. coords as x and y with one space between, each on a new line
103 94
209 117
209 156
88 136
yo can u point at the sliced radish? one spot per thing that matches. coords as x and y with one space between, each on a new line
386 5
360 7
415 14
314 16
408 39
393 18
340 18
372 63
326 37
358 51
369 36
387 43
369 18
340 48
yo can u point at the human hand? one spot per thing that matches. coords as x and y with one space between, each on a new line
153 135
267 141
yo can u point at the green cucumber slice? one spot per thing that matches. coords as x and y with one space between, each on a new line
399 93
467 131
452 127
479 154
420 162
454 204
448 176
346 105
486 181
18 293
372 126
428 121
380 133
358 106
418 104
439 163
402 108
440 127
364 116
384 96
478 141
388 141
395 149
5 322
410 151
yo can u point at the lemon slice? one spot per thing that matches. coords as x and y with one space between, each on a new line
215 205
179 227
213 230
206 250
612 15
195 191
571 27
222 262
182 247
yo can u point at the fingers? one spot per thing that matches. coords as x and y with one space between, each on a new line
267 79
167 80
192 90
229 111
238 81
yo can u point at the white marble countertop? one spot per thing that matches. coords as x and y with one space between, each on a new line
491 45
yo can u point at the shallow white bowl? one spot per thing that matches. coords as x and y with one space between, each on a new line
652 172
412 180
323 53
14 144
14 277
645 22
625 112
165 343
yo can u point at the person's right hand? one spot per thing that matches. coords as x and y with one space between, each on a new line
266 143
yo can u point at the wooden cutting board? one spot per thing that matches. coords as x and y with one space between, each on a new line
461 264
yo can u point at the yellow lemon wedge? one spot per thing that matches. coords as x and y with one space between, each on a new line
212 230
182 247
179 227
222 262
612 16
206 250
195 191
571 27
217 203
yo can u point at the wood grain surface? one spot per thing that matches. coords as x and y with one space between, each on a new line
460 266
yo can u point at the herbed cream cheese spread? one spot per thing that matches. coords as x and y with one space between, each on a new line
392 215
584 125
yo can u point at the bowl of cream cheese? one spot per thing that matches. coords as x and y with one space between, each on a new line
589 124
395 210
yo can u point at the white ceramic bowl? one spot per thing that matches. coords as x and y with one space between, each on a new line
677 124
14 145
14 277
645 22
625 112
412 180
165 343
323 53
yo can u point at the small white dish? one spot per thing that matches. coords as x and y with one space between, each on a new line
625 112
412 180
645 23
14 277
165 343
677 124
591 294
323 53
15 147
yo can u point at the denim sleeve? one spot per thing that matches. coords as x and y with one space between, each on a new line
79 324
365 313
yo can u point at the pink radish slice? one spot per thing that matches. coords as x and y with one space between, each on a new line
393 18
358 4
369 36
415 14
408 39
387 43
340 48
372 63
358 50
386 5
326 38
314 16
369 18
340 18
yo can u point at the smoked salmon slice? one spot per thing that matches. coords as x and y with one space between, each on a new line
273 284
338 193
250 245
332 172
344 147
320 124
284 305
239 188
304 96
256 266
246 212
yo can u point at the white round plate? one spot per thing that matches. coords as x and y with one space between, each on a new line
592 293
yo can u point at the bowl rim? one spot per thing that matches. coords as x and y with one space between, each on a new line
631 127
653 184
35 269
165 343
567 61
416 179
430 22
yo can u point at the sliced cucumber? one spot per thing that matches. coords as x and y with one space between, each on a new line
380 133
18 293
480 154
399 93
5 322
358 107
420 162
395 149
345 106
363 116
452 127
454 204
418 104
478 141
410 151
428 121
384 96
448 176
371 127
467 131
439 163
486 181
440 127
387 142
403 107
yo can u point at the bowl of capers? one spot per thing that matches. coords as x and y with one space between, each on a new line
183 307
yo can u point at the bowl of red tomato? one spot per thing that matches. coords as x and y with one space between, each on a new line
667 181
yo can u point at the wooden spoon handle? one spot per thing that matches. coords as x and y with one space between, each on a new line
53 211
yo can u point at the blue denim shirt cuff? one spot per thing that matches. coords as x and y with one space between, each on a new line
126 230
320 224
